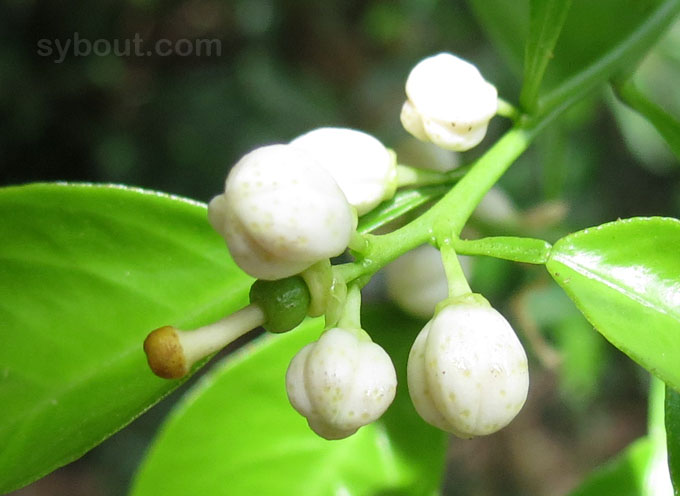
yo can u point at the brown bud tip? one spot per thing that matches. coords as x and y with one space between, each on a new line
165 354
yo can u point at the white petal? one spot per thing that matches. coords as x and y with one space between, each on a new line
254 258
412 121
373 389
295 382
418 387
454 136
447 88
329 373
449 102
363 168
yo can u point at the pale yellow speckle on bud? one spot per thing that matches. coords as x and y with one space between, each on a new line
467 371
341 382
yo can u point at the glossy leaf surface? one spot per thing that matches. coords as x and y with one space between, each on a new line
625 278
85 273
236 434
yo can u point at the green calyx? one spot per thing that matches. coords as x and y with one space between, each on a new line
284 302
468 299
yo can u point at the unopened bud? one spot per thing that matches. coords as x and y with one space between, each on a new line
467 371
448 102
341 382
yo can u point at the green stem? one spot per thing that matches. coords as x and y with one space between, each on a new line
448 216
351 313
452 211
319 279
672 430
412 176
507 110
655 407
403 202
358 243
458 285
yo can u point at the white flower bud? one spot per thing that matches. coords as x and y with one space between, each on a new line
448 102
281 213
363 168
341 382
467 371
416 281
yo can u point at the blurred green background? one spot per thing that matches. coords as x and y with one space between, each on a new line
177 123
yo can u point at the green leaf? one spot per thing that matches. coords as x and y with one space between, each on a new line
642 469
85 273
625 475
545 24
237 426
589 51
672 411
625 278
517 249
644 25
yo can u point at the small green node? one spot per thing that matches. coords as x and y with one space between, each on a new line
284 302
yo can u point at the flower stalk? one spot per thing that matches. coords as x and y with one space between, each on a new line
172 352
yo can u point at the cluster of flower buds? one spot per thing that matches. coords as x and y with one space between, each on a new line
288 208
